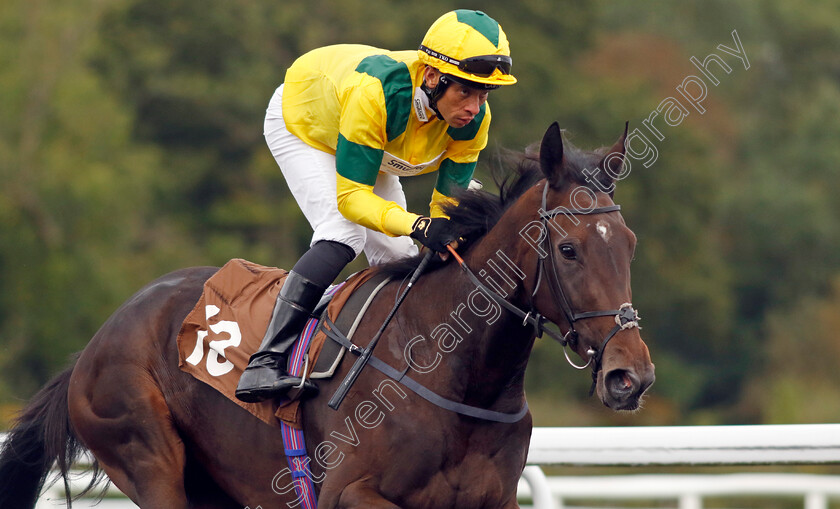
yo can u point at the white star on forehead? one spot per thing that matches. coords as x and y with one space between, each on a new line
603 229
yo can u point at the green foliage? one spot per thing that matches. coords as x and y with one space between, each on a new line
78 228
798 380
131 145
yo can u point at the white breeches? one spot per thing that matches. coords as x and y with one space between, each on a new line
311 176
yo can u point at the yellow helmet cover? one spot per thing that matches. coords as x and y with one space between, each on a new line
469 45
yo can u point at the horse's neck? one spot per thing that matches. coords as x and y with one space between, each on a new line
488 364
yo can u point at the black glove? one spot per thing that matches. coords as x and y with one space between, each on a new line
433 232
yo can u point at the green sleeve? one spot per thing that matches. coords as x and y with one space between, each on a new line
452 176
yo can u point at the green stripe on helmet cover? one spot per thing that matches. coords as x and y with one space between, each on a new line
484 24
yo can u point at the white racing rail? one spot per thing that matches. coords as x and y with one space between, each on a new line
688 491
686 445
805 444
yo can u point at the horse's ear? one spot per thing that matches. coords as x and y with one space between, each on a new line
613 162
551 155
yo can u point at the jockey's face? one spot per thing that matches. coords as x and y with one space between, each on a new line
459 104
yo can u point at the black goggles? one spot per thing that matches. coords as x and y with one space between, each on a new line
482 66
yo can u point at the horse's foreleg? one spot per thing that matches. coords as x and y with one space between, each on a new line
358 495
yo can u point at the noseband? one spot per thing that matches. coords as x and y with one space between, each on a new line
625 316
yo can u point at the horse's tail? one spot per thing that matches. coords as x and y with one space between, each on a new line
42 435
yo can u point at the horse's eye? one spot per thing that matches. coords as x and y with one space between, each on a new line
568 252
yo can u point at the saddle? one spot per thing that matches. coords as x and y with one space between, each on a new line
229 321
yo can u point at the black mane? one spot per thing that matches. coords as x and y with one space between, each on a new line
478 211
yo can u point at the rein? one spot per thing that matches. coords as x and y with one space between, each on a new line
403 378
625 316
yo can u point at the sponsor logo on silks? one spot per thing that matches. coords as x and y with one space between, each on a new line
421 104
393 165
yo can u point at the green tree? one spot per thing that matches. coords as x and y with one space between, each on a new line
77 230
798 380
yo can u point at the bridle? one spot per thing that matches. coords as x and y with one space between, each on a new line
625 316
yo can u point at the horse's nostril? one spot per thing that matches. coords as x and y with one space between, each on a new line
621 383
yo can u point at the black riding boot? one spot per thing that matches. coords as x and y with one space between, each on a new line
266 375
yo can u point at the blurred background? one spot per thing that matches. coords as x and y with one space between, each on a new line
131 145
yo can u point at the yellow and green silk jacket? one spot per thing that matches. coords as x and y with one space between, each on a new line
361 103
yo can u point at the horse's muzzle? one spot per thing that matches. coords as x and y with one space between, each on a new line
623 388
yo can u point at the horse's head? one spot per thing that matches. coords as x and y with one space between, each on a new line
582 251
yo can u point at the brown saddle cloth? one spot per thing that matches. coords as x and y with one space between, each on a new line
228 323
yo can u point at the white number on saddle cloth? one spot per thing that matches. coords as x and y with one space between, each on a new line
217 347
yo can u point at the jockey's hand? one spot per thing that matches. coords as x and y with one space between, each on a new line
433 232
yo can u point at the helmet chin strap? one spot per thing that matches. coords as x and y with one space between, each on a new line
443 83
436 93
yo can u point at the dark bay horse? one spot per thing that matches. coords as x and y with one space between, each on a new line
552 244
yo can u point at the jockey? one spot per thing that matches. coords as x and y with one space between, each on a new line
347 122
